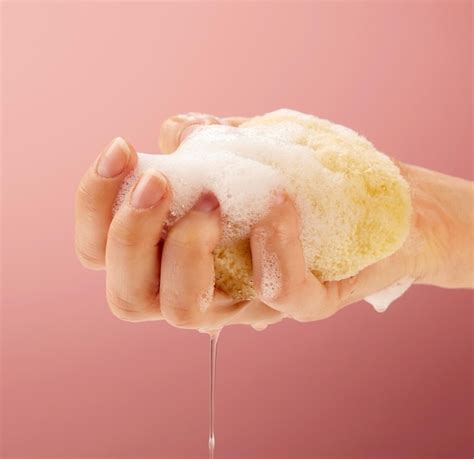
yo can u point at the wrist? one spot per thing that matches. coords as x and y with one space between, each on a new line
439 244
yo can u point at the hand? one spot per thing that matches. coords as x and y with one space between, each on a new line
150 279
147 278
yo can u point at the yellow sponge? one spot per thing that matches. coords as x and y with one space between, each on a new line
354 203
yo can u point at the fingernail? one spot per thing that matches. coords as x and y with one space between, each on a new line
279 198
149 190
113 160
207 203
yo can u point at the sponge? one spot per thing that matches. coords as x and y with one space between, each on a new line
354 205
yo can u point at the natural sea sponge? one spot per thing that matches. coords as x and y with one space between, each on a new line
353 203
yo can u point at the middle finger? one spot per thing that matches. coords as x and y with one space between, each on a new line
187 266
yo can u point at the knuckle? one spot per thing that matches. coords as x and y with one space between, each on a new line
122 233
85 196
123 309
275 231
180 316
178 309
259 232
89 260
281 230
90 199
191 239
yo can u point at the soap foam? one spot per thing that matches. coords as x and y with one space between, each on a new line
384 298
271 276
243 168
196 168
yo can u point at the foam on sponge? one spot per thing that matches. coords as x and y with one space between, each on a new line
353 203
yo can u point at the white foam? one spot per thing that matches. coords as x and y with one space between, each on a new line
244 168
384 298
271 275
199 165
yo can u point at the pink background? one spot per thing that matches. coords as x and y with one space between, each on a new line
79 383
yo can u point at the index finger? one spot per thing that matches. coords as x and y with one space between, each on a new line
95 199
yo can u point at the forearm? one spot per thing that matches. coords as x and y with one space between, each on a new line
442 225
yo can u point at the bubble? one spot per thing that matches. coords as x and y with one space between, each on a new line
271 275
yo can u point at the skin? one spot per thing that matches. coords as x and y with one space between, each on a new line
149 278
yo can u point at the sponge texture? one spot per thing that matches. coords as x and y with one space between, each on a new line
353 203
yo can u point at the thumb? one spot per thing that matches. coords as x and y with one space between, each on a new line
175 129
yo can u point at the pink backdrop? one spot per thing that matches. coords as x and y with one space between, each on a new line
79 383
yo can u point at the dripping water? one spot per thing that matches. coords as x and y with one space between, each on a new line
214 336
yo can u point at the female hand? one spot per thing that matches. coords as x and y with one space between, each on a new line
150 279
